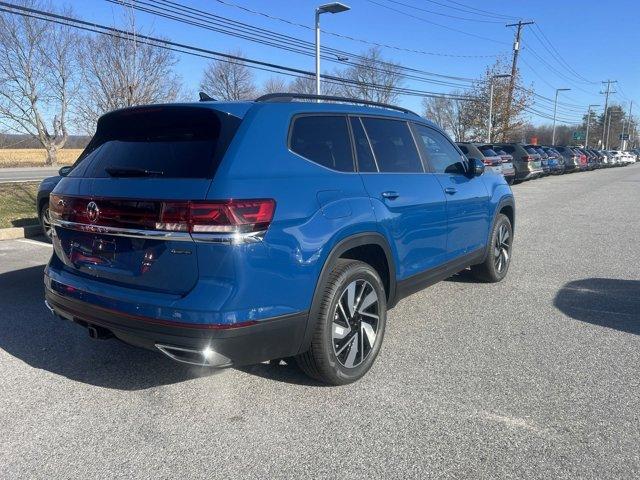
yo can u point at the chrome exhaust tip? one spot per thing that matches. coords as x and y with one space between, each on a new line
50 308
205 357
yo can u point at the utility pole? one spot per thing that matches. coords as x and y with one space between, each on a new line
586 141
555 109
608 130
514 68
623 141
606 108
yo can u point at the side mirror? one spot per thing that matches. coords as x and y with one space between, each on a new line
476 167
64 171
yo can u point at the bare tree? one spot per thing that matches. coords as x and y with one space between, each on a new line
274 85
37 78
307 85
452 114
372 78
303 85
229 80
122 71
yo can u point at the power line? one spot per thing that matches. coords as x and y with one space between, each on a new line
435 23
442 14
272 38
471 9
202 52
554 70
349 37
558 56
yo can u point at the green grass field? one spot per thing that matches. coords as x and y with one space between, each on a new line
18 204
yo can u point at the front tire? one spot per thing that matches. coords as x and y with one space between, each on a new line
350 325
496 264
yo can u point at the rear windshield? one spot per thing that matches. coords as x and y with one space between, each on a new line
488 152
167 141
531 150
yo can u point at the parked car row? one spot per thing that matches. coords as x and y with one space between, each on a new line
519 161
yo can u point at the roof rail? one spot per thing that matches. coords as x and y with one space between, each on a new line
288 97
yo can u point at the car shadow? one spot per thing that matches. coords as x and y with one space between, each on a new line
30 333
607 302
463 276
286 372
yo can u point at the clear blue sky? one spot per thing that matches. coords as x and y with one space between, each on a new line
598 40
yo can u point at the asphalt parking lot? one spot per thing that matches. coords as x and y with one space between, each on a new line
535 377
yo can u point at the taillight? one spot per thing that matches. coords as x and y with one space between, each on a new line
487 161
235 216
527 158
220 216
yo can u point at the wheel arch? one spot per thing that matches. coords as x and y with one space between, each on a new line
353 247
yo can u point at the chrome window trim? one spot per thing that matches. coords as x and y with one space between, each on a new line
230 238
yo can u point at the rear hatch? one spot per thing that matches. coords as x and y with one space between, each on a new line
124 214
534 158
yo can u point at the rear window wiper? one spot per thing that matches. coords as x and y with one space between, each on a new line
132 172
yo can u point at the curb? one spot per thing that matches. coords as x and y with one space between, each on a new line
20 232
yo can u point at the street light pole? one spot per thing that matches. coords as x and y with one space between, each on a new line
335 7
490 126
555 109
586 140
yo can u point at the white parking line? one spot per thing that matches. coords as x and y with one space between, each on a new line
33 242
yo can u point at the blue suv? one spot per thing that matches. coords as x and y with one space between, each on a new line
225 234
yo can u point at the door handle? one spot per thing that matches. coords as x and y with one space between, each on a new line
450 190
390 195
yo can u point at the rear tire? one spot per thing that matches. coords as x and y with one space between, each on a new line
350 325
496 264
45 221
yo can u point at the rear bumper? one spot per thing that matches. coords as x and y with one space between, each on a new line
244 344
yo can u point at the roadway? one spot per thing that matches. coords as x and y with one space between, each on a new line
535 377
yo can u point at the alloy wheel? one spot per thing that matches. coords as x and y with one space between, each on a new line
354 329
502 248
46 222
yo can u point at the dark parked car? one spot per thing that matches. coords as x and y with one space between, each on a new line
42 199
571 158
556 160
525 160
232 233
544 158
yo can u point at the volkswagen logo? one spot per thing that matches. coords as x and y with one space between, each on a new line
93 212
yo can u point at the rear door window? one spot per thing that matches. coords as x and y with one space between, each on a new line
323 139
393 145
366 160
174 142
440 152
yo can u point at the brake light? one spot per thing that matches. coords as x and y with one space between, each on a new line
487 161
527 158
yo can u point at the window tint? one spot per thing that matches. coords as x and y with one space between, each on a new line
323 140
176 142
509 149
393 145
464 149
487 152
531 150
366 162
441 154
